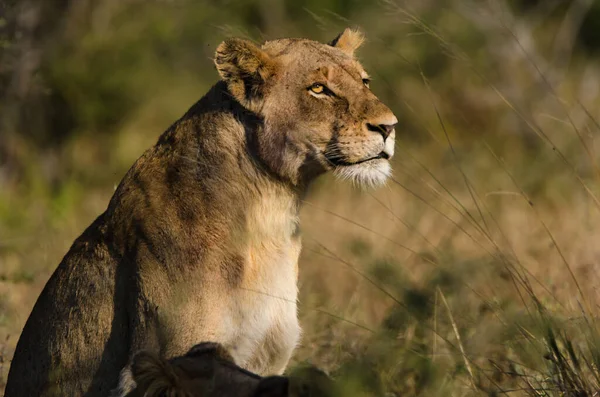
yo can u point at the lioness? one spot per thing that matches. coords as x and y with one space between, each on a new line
200 240
207 370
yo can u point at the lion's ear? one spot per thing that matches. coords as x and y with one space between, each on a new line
348 41
245 68
153 375
210 349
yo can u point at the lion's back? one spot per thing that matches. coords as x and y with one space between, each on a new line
61 349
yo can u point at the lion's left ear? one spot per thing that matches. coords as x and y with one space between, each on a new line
348 41
245 68
153 375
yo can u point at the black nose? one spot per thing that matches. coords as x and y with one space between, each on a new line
384 129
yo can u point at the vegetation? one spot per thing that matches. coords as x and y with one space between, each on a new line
474 272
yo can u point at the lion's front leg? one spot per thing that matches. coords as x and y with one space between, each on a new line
169 325
167 331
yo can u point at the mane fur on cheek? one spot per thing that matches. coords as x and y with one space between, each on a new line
285 153
271 146
365 175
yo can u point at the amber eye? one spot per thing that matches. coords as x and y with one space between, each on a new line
366 82
317 88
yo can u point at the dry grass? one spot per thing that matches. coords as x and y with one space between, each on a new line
4 361
474 271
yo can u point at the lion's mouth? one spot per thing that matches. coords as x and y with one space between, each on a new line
342 163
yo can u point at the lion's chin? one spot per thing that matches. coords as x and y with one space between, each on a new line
369 174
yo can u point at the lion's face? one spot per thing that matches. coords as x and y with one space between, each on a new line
319 113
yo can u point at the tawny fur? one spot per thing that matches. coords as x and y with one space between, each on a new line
200 241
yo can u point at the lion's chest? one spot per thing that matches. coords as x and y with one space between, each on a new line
265 328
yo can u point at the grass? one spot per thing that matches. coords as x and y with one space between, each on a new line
473 272
468 323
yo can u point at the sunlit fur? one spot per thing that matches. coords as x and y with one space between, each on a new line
369 175
306 130
200 241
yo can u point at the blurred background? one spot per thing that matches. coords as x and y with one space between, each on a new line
473 272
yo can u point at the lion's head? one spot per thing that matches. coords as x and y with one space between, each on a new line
317 109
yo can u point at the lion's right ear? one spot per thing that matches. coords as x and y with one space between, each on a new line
153 376
246 69
348 41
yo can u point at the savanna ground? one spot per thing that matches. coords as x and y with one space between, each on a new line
473 272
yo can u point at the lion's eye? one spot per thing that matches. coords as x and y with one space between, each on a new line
366 82
317 88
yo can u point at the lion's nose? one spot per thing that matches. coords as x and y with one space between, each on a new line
384 129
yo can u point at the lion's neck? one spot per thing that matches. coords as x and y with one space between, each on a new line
262 146
201 182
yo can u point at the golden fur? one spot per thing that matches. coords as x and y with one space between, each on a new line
200 241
